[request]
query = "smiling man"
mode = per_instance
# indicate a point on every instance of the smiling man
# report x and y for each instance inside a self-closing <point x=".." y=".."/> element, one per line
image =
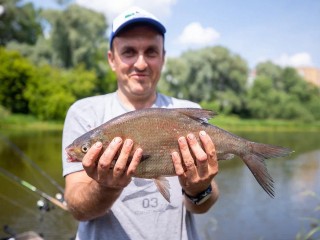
<point x="108" y="202"/>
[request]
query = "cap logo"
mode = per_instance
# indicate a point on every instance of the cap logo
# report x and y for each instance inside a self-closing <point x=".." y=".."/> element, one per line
<point x="131" y="14"/>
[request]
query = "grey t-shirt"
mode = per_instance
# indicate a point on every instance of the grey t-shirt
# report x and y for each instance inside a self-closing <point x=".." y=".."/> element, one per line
<point x="140" y="212"/>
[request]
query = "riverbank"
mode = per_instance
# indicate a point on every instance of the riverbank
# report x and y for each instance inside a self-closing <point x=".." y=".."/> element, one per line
<point x="28" y="122"/>
<point x="230" y="123"/>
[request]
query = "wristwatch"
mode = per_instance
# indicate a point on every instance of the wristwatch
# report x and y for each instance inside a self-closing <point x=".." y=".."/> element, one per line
<point x="201" y="197"/>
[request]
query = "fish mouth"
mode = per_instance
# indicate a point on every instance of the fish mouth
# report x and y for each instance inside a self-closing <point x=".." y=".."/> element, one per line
<point x="71" y="158"/>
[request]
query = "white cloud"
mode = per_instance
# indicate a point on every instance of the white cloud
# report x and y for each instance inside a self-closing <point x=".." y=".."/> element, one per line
<point x="295" y="60"/>
<point x="195" y="34"/>
<point x="160" y="8"/>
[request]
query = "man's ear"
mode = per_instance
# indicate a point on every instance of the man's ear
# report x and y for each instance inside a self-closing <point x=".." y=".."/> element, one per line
<point x="111" y="60"/>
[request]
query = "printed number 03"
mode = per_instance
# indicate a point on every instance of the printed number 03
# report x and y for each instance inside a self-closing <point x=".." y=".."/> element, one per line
<point x="152" y="202"/>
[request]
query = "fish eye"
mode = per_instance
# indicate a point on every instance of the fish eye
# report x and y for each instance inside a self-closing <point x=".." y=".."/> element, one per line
<point x="84" y="148"/>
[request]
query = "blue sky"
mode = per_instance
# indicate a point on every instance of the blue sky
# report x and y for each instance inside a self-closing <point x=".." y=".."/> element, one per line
<point x="286" y="32"/>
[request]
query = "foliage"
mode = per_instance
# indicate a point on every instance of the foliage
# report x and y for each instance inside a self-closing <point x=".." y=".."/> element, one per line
<point x="52" y="91"/>
<point x="15" y="72"/>
<point x="46" y="92"/>
<point x="77" y="35"/>
<point x="282" y="93"/>
<point x="209" y="74"/>
<point x="18" y="22"/>
<point x="4" y="113"/>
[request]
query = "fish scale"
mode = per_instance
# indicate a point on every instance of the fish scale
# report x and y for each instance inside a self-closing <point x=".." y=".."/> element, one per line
<point x="156" y="131"/>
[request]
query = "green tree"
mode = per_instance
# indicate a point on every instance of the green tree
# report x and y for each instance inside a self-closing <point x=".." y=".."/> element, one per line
<point x="76" y="35"/>
<point x="15" y="73"/>
<point x="51" y="92"/>
<point x="18" y="22"/>
<point x="281" y="93"/>
<point x="209" y="74"/>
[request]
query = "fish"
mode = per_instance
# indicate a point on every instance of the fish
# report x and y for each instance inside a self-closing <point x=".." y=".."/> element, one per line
<point x="156" y="131"/>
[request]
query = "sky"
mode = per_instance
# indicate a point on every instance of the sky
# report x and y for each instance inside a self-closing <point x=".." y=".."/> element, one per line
<point x="286" y="32"/>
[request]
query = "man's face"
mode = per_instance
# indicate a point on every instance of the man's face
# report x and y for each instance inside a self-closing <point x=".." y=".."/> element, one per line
<point x="137" y="59"/>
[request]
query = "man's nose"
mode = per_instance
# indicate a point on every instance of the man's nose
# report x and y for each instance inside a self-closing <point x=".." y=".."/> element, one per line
<point x="141" y="63"/>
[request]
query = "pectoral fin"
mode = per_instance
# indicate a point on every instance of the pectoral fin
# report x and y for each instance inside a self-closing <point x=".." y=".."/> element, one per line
<point x="163" y="186"/>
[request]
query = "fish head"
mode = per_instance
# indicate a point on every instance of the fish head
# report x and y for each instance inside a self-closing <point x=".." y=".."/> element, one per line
<point x="80" y="146"/>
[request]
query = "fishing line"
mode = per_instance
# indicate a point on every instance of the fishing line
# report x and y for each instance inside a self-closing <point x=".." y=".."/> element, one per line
<point x="32" y="188"/>
<point x="29" y="160"/>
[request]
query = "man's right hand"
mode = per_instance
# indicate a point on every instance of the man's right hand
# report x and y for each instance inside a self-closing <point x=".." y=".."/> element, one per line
<point x="91" y="193"/>
<point x="102" y="170"/>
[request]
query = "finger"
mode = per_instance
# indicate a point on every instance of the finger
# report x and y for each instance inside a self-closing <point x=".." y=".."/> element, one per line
<point x="209" y="147"/>
<point x="108" y="155"/>
<point x="200" y="155"/>
<point x="187" y="159"/>
<point x="90" y="159"/>
<point x="177" y="163"/>
<point x="134" y="162"/>
<point x="122" y="160"/>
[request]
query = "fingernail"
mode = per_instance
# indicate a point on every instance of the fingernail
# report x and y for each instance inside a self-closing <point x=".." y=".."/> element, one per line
<point x="175" y="154"/>
<point x="203" y="133"/>
<point x="190" y="136"/>
<point x="181" y="139"/>
<point x="128" y="142"/>
<point x="117" y="140"/>
<point x="98" y="144"/>
<point x="139" y="151"/>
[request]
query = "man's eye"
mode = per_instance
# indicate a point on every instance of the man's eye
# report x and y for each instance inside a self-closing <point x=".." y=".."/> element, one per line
<point x="128" y="52"/>
<point x="152" y="53"/>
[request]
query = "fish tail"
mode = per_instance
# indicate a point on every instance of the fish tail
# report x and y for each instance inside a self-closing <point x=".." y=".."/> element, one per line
<point x="255" y="162"/>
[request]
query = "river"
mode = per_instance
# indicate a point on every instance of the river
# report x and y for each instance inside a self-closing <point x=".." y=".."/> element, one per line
<point x="243" y="211"/>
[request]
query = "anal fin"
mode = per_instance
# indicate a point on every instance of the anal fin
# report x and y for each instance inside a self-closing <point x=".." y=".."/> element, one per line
<point x="163" y="186"/>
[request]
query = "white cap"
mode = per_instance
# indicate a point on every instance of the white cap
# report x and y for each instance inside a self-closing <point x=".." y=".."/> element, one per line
<point x="131" y="16"/>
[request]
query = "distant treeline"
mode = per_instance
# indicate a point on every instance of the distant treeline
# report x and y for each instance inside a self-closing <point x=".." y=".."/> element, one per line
<point x="51" y="58"/>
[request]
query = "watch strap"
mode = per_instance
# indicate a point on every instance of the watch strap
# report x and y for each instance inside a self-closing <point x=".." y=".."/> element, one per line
<point x="201" y="197"/>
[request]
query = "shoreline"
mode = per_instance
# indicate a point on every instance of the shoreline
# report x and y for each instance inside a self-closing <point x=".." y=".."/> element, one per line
<point x="229" y="123"/>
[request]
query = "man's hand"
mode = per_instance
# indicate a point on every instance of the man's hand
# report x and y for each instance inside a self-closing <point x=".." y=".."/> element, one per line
<point x="197" y="166"/>
<point x="92" y="192"/>
<point x="102" y="170"/>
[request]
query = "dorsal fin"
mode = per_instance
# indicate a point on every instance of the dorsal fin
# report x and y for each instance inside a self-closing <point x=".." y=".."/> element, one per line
<point x="197" y="114"/>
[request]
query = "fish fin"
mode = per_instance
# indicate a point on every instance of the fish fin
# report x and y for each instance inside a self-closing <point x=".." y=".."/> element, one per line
<point x="197" y="114"/>
<point x="163" y="186"/>
<point x="144" y="157"/>
<point x="227" y="156"/>
<point x="256" y="164"/>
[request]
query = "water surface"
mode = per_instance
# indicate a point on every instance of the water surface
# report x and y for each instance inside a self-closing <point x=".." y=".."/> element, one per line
<point x="244" y="210"/>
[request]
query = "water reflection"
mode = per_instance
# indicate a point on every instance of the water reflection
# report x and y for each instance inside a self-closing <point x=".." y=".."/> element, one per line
<point x="244" y="210"/>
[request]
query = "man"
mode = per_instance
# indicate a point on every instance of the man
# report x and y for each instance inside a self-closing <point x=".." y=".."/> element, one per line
<point x="108" y="202"/>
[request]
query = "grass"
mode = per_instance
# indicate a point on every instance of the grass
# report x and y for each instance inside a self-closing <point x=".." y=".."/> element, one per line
<point x="234" y="123"/>
<point x="20" y="121"/>
<point x="230" y="123"/>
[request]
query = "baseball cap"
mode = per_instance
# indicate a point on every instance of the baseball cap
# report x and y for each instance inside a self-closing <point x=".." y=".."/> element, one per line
<point x="131" y="16"/>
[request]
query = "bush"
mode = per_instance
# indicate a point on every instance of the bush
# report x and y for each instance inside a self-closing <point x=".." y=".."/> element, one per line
<point x="4" y="112"/>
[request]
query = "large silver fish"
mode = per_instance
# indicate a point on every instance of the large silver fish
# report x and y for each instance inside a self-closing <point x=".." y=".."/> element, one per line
<point x="156" y="131"/>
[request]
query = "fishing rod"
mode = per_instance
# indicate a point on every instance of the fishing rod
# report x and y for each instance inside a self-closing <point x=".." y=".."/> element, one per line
<point x="29" y="160"/>
<point x="32" y="188"/>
